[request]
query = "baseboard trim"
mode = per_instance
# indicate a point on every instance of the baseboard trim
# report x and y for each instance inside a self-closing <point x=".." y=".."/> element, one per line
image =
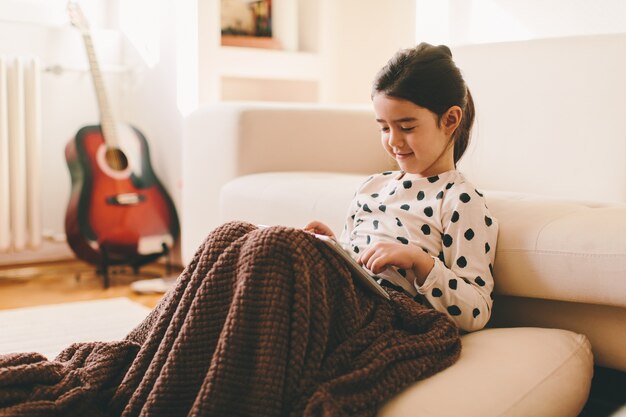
<point x="49" y="251"/>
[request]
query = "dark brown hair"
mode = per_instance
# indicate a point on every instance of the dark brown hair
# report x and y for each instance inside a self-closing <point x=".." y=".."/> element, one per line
<point x="427" y="76"/>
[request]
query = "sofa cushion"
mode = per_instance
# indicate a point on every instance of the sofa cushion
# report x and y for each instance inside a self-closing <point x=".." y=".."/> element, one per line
<point x="557" y="249"/>
<point x="289" y="198"/>
<point x="505" y="372"/>
<point x="547" y="248"/>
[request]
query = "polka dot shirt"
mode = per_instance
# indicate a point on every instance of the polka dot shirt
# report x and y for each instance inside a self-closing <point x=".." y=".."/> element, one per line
<point x="446" y="217"/>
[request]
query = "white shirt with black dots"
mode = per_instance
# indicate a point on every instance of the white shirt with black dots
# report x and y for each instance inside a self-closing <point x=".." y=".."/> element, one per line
<point x="445" y="216"/>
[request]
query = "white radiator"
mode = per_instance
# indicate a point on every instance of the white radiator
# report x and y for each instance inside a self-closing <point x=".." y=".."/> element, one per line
<point x="20" y="144"/>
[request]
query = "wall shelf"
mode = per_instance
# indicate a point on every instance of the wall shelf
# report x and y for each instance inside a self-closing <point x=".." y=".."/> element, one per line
<point x="250" y="41"/>
<point x="240" y="62"/>
<point x="228" y="72"/>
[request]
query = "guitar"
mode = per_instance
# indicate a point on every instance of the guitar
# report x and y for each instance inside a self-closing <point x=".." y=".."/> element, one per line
<point x="118" y="210"/>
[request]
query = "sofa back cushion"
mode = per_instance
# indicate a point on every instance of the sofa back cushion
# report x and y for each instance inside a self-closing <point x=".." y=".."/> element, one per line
<point x="549" y="116"/>
<point x="548" y="248"/>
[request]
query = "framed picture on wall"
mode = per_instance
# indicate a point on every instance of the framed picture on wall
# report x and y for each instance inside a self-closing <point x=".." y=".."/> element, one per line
<point x="247" y="23"/>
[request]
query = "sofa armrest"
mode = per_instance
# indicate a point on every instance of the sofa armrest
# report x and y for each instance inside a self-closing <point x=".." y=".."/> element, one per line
<point x="225" y="141"/>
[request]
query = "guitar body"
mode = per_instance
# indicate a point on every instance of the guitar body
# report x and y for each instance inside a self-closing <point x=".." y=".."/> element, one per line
<point x="118" y="212"/>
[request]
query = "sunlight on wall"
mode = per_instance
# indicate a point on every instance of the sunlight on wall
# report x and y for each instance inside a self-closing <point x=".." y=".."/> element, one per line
<point x="34" y="11"/>
<point x="140" y="21"/>
<point x="458" y="22"/>
<point x="186" y="56"/>
<point x="432" y="22"/>
<point x="489" y="21"/>
<point x="478" y="21"/>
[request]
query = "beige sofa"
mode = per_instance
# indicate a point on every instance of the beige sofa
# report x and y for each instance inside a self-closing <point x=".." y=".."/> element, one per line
<point x="560" y="264"/>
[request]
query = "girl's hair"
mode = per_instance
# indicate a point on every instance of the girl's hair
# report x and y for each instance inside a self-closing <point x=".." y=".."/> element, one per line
<point x="427" y="76"/>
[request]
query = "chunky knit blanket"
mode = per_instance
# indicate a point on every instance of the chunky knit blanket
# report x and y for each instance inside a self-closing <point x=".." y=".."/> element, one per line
<point x="263" y="322"/>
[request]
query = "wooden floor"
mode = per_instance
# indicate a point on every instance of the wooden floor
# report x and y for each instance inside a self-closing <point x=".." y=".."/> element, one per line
<point x="67" y="281"/>
<point x="62" y="282"/>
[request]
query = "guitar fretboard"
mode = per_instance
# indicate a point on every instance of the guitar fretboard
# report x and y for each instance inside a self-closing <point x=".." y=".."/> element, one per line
<point x="106" y="117"/>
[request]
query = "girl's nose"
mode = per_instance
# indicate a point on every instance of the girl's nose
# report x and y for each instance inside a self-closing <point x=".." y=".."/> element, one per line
<point x="395" y="139"/>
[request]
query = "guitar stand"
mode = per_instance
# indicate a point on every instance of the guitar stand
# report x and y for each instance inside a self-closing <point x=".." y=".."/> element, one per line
<point x="134" y="262"/>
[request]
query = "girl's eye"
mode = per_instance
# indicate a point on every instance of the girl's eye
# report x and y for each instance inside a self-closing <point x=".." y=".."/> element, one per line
<point x="407" y="129"/>
<point x="384" y="129"/>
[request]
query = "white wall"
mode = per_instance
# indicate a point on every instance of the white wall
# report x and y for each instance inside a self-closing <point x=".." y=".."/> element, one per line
<point x="460" y="22"/>
<point x="68" y="99"/>
<point x="356" y="39"/>
<point x="149" y="101"/>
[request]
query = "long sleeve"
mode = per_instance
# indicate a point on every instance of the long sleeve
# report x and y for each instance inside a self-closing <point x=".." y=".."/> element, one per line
<point x="442" y="215"/>
<point x="461" y="281"/>
<point x="349" y="224"/>
<point x="344" y="239"/>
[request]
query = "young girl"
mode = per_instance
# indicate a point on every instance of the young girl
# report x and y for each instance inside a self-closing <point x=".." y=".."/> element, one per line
<point x="269" y="315"/>
<point x="425" y="228"/>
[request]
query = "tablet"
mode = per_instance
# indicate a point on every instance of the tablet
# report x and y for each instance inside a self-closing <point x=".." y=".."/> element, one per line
<point x="359" y="272"/>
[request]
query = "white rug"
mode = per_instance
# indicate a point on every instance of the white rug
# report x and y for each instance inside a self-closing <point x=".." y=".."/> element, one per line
<point x="49" y="329"/>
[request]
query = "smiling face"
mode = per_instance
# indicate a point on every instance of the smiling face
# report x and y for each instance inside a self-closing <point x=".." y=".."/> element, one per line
<point x="414" y="138"/>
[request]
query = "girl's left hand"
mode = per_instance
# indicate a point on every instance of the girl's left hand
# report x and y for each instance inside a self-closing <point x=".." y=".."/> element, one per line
<point x="380" y="255"/>
<point x="319" y="228"/>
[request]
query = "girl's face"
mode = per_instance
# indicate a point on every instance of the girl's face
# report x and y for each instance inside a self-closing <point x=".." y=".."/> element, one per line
<point x="412" y="136"/>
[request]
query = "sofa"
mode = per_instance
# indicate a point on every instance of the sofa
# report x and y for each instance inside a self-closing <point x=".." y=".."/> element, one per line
<point x="560" y="268"/>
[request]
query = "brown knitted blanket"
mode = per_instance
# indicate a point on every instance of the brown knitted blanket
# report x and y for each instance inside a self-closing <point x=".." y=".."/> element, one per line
<point x="263" y="322"/>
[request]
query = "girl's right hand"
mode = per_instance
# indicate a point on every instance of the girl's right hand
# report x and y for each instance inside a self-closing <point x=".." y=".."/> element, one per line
<point x="380" y="255"/>
<point x="319" y="228"/>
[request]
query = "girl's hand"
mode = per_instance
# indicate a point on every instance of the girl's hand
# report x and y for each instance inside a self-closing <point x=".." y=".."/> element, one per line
<point x="380" y="255"/>
<point x="319" y="228"/>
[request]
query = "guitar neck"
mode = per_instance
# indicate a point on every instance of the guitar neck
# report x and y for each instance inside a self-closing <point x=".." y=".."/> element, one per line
<point x="106" y="117"/>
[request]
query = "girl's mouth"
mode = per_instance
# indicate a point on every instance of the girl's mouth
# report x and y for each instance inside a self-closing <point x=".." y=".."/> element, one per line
<point x="404" y="155"/>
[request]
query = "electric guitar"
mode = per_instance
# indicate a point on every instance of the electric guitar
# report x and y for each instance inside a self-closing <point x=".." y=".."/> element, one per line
<point x="118" y="210"/>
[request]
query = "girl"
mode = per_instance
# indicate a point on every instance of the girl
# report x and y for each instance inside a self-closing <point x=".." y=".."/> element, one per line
<point x="425" y="228"/>
<point x="271" y="316"/>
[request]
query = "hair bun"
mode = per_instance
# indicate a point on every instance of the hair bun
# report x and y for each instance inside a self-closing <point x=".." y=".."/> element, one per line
<point x="432" y="50"/>
<point x="445" y="49"/>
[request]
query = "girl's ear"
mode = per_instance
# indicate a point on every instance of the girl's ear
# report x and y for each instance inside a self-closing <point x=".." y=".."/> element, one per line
<point x="451" y="119"/>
